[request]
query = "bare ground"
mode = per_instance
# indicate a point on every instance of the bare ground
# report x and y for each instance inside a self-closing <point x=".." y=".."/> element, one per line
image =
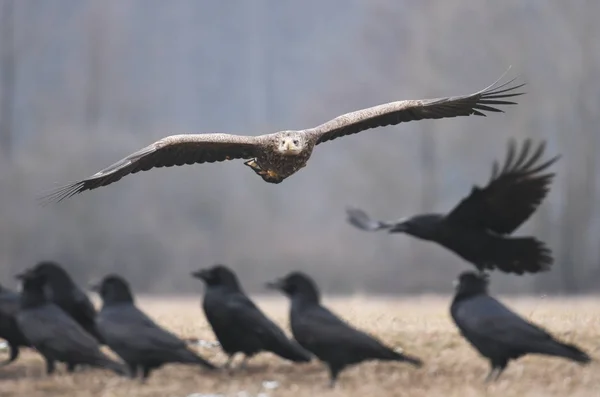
<point x="421" y="325"/>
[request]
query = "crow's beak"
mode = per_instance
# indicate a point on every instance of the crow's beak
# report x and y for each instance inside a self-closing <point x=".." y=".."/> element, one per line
<point x="24" y="274"/>
<point x="94" y="287"/>
<point x="201" y="274"/>
<point x="400" y="227"/>
<point x="276" y="285"/>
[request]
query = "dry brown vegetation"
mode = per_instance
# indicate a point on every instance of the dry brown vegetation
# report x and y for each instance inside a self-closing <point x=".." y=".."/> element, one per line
<point x="421" y="325"/>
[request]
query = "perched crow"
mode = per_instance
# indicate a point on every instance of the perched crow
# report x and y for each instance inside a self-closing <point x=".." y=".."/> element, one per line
<point x="238" y="323"/>
<point x="321" y="332"/>
<point x="477" y="228"/>
<point x="9" y="330"/>
<point x="55" y="334"/>
<point x="62" y="291"/>
<point x="496" y="332"/>
<point x="138" y="340"/>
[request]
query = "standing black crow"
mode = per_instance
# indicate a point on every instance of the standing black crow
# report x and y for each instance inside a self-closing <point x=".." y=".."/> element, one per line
<point x="55" y="334"/>
<point x="138" y="340"/>
<point x="321" y="332"/>
<point x="238" y="323"/>
<point x="477" y="228"/>
<point x="62" y="291"/>
<point x="9" y="330"/>
<point x="496" y="332"/>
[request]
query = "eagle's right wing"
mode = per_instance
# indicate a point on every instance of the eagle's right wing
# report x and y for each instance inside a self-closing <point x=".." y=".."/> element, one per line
<point x="167" y="152"/>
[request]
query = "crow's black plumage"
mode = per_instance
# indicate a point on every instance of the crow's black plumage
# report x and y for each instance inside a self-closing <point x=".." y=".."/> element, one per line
<point x="478" y="228"/>
<point x="55" y="334"/>
<point x="136" y="338"/>
<point x="62" y="291"/>
<point x="496" y="332"/>
<point x="324" y="334"/>
<point x="9" y="330"/>
<point x="239" y="325"/>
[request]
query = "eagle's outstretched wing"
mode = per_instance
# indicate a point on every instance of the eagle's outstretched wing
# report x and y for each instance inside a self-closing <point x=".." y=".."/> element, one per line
<point x="402" y="111"/>
<point x="167" y="152"/>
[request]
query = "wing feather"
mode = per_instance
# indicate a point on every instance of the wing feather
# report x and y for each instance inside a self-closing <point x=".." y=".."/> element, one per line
<point x="487" y="318"/>
<point x="174" y="150"/>
<point x="249" y="317"/>
<point x="51" y="327"/>
<point x="394" y="113"/>
<point x="320" y="327"/>
<point x="511" y="195"/>
<point x="130" y="326"/>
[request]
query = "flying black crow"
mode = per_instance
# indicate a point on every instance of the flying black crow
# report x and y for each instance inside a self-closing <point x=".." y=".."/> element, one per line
<point x="477" y="229"/>
<point x="324" y="334"/>
<point x="496" y="332"/>
<point x="239" y="325"/>
<point x="55" y="334"/>
<point x="136" y="338"/>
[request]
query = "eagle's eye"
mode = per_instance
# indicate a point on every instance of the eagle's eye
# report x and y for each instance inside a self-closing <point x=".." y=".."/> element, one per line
<point x="295" y="142"/>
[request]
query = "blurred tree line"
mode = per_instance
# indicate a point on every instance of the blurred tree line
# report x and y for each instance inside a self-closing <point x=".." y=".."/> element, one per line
<point x="84" y="83"/>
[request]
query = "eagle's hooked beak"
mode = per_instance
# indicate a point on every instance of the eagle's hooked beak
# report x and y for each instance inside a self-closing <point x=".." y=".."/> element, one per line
<point x="289" y="147"/>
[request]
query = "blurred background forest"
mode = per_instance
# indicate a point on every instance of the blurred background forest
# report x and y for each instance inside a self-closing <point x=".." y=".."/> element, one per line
<point x="83" y="83"/>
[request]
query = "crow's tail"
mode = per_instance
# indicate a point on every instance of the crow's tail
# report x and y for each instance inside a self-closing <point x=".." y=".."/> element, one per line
<point x="570" y="352"/>
<point x="409" y="359"/>
<point x="519" y="255"/>
<point x="189" y="357"/>
<point x="114" y="366"/>
<point x="291" y="350"/>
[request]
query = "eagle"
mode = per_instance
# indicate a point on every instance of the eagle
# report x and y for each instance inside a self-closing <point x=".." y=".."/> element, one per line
<point x="277" y="156"/>
<point x="478" y="228"/>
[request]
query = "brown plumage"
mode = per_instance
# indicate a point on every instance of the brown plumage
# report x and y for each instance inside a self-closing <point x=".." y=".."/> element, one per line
<point x="277" y="156"/>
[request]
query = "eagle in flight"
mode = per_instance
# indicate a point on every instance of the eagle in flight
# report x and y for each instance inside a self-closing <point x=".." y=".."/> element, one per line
<point x="275" y="157"/>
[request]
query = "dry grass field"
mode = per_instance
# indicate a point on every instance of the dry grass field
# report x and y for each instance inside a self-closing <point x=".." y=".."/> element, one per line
<point x="421" y="325"/>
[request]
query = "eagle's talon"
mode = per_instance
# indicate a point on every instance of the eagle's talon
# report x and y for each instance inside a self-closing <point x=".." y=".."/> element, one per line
<point x="267" y="175"/>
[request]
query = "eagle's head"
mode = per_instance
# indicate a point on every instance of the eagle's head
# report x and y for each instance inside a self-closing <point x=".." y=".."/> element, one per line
<point x="291" y="143"/>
